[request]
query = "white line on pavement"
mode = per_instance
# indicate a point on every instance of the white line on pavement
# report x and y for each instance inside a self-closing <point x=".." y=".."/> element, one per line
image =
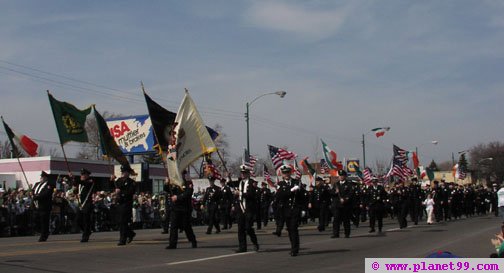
<point x="210" y="258"/>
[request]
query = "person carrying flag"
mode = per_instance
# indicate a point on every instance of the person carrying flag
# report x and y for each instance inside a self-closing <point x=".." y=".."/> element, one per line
<point x="42" y="197"/>
<point x="125" y="189"/>
<point x="86" y="188"/>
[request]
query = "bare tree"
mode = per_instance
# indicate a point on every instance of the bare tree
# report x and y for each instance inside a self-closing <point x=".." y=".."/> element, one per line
<point x="381" y="166"/>
<point x="487" y="161"/>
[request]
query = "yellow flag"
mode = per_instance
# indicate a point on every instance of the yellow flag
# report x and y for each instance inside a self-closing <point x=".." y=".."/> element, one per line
<point x="192" y="140"/>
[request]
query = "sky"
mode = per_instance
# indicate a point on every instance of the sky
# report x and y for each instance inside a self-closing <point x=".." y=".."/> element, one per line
<point x="430" y="70"/>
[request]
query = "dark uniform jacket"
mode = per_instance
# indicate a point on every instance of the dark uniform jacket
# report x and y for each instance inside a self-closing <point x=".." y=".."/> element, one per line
<point x="343" y="191"/>
<point x="42" y="194"/>
<point x="247" y="201"/>
<point x="127" y="187"/>
<point x="287" y="199"/>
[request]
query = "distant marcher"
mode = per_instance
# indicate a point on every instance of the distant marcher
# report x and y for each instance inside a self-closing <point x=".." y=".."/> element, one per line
<point x="429" y="207"/>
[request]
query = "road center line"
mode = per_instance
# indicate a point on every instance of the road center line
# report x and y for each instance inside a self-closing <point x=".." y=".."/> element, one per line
<point x="210" y="258"/>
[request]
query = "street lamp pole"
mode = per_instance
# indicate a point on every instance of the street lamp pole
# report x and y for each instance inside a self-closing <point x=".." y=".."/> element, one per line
<point x="247" y="113"/>
<point x="364" y="150"/>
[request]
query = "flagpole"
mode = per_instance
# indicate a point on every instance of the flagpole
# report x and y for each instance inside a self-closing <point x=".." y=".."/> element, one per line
<point x="163" y="159"/>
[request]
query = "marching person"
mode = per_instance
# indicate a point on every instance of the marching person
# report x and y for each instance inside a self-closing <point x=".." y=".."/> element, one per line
<point x="319" y="203"/>
<point x="167" y="207"/>
<point x="225" y="205"/>
<point x="180" y="217"/>
<point x="246" y="209"/>
<point x="376" y="196"/>
<point x="290" y="197"/>
<point x="429" y="208"/>
<point x="86" y="188"/>
<point x="264" y="203"/>
<point x="42" y="196"/>
<point x="342" y="204"/>
<point x="211" y="203"/>
<point x="125" y="189"/>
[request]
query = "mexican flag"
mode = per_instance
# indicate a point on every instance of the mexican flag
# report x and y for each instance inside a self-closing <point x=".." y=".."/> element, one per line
<point x="379" y="132"/>
<point x="23" y="141"/>
<point x="308" y="168"/>
<point x="330" y="156"/>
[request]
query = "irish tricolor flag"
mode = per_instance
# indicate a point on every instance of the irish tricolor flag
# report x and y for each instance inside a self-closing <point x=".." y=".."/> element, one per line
<point x="379" y="132"/>
<point x="28" y="145"/>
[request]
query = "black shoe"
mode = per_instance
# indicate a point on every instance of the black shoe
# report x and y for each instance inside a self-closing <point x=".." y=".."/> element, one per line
<point x="121" y="243"/>
<point x="194" y="244"/>
<point x="256" y="247"/>
<point x="84" y="239"/>
<point x="42" y="239"/>
<point x="276" y="233"/>
<point x="335" y="236"/>
<point x="164" y="232"/>
<point x="217" y="232"/>
<point x="241" y="251"/>
<point x="372" y="230"/>
<point x="170" y="247"/>
<point x="379" y="230"/>
<point x="130" y="238"/>
<point x="224" y="228"/>
<point x="294" y="253"/>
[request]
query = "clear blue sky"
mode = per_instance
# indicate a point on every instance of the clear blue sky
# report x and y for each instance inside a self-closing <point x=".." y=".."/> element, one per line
<point x="431" y="70"/>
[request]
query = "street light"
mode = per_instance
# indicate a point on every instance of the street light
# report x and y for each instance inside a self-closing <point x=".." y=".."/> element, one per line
<point x="364" y="144"/>
<point x="281" y="94"/>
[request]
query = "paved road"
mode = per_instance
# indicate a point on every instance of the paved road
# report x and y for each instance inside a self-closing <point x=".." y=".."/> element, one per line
<point x="319" y="253"/>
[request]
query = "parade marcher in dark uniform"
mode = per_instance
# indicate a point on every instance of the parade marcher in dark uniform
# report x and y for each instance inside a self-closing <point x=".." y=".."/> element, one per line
<point x="225" y="205"/>
<point x="320" y="201"/>
<point x="167" y="207"/>
<point x="404" y="202"/>
<point x="356" y="204"/>
<point x="446" y="201"/>
<point x="342" y="204"/>
<point x="376" y="195"/>
<point x="246" y="209"/>
<point x="416" y="198"/>
<point x="437" y="195"/>
<point x="42" y="196"/>
<point x="291" y="197"/>
<point x="181" y="198"/>
<point x="211" y="201"/>
<point x="125" y="189"/>
<point x="264" y="203"/>
<point x="86" y="188"/>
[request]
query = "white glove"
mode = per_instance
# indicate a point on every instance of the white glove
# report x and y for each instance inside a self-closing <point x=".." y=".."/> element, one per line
<point x="295" y="188"/>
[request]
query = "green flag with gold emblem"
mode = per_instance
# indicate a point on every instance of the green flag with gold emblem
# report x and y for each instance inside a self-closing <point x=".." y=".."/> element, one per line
<point x="69" y="120"/>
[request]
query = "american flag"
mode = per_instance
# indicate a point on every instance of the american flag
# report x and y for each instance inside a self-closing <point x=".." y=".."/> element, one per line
<point x="212" y="170"/>
<point x="367" y="176"/>
<point x="400" y="164"/>
<point x="267" y="176"/>
<point x="297" y="171"/>
<point x="324" y="167"/>
<point x="278" y="155"/>
<point x="249" y="161"/>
